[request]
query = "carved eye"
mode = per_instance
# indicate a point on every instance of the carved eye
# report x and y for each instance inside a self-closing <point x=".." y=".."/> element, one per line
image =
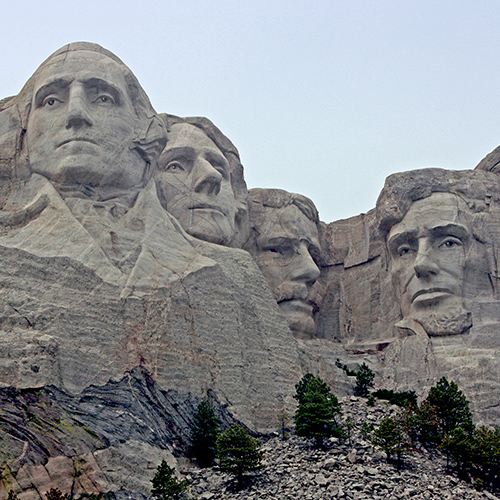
<point x="403" y="250"/>
<point x="174" y="167"/>
<point x="451" y="243"/>
<point x="281" y="250"/>
<point x="50" y="101"/>
<point x="105" y="99"/>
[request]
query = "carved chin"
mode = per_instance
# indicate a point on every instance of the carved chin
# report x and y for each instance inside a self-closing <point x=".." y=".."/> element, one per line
<point x="302" y="325"/>
<point x="450" y="320"/>
<point x="212" y="229"/>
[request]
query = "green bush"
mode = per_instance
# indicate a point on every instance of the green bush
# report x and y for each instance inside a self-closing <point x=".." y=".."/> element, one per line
<point x="367" y="430"/>
<point x="283" y="419"/>
<point x="486" y="455"/>
<point x="55" y="494"/>
<point x="402" y="399"/>
<point x="238" y="452"/>
<point x="458" y="445"/>
<point x="317" y="410"/>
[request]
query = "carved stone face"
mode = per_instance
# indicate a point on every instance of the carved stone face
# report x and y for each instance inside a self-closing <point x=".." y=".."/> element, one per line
<point x="286" y="249"/>
<point x="82" y="123"/>
<point x="194" y="185"/>
<point x="429" y="250"/>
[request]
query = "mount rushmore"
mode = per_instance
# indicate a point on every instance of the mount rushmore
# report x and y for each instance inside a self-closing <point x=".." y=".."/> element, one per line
<point x="140" y="275"/>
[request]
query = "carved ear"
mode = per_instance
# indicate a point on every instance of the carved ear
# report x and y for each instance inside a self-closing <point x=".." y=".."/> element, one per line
<point x="151" y="139"/>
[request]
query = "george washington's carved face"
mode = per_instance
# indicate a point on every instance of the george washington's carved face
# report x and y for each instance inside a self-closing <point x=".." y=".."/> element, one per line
<point x="82" y="123"/>
<point x="429" y="250"/>
<point x="194" y="185"/>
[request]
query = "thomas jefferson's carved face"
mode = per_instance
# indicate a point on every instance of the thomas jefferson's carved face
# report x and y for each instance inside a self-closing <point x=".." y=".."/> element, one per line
<point x="286" y="252"/>
<point x="429" y="250"/>
<point x="82" y="123"/>
<point x="194" y="185"/>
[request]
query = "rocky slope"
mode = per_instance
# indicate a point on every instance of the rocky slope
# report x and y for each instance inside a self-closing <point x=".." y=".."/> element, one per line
<point x="293" y="469"/>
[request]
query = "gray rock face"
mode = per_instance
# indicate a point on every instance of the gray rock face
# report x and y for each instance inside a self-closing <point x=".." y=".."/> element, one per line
<point x="285" y="244"/>
<point x="125" y="296"/>
<point x="98" y="278"/>
<point x="200" y="181"/>
<point x="412" y="285"/>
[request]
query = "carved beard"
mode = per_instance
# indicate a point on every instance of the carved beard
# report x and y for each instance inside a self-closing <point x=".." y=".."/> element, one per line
<point x="453" y="319"/>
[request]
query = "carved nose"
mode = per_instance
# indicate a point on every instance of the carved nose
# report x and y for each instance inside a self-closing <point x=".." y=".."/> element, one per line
<point x="304" y="267"/>
<point x="78" y="113"/>
<point x="424" y="265"/>
<point x="208" y="180"/>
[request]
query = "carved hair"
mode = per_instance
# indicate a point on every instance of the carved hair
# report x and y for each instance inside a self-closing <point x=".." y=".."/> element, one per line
<point x="228" y="149"/>
<point x="259" y="199"/>
<point x="478" y="189"/>
<point x="14" y="113"/>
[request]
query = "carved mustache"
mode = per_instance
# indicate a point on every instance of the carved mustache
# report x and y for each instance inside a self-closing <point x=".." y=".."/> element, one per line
<point x="295" y="291"/>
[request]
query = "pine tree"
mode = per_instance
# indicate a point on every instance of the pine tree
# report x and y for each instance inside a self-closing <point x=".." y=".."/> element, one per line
<point x="458" y="445"/>
<point x="317" y="411"/>
<point x="166" y="486"/>
<point x="204" y="432"/>
<point x="392" y="438"/>
<point x="486" y="455"/>
<point x="238" y="452"/>
<point x="451" y="406"/>
<point x="364" y="381"/>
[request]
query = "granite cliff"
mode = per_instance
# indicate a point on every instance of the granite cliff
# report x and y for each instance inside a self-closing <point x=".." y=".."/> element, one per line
<point x="140" y="276"/>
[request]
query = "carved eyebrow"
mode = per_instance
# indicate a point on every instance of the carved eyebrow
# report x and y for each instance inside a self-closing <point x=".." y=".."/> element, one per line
<point x="219" y="159"/>
<point x="397" y="239"/>
<point x="44" y="90"/>
<point x="104" y="86"/>
<point x="276" y="241"/>
<point x="456" y="230"/>
<point x="185" y="153"/>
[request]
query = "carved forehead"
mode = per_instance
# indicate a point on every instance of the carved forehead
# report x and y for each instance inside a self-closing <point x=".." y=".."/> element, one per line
<point x="287" y="222"/>
<point x="440" y="210"/>
<point x="82" y="63"/>
<point x="186" y="135"/>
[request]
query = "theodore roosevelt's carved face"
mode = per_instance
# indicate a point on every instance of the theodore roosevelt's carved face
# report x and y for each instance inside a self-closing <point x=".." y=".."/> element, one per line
<point x="429" y="250"/>
<point x="194" y="185"/>
<point x="286" y="251"/>
<point x="82" y="123"/>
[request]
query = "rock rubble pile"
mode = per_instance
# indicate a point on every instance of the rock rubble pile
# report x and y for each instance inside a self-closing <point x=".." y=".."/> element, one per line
<point x="293" y="469"/>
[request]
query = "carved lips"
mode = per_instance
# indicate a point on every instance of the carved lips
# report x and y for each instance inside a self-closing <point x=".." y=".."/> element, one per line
<point x="430" y="295"/>
<point x="209" y="207"/>
<point x="76" y="139"/>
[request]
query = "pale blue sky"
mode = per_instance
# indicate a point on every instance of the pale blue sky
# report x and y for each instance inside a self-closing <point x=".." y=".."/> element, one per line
<point x="324" y="98"/>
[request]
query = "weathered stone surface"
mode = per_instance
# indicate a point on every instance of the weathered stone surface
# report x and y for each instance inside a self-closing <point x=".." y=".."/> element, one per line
<point x="98" y="278"/>
<point x="363" y="311"/>
<point x="200" y="181"/>
<point x="284" y="241"/>
<point x="125" y="297"/>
